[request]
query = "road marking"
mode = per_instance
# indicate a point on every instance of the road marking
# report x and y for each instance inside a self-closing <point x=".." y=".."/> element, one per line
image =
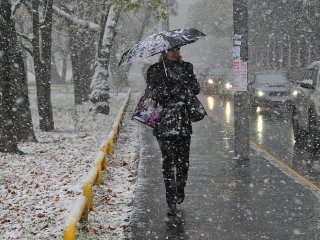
<point x="284" y="166"/>
<point x="278" y="162"/>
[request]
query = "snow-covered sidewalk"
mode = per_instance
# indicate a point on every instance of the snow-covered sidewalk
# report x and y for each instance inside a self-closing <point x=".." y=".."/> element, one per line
<point x="38" y="188"/>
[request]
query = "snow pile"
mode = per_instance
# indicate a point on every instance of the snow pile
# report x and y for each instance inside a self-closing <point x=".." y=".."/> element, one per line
<point x="38" y="188"/>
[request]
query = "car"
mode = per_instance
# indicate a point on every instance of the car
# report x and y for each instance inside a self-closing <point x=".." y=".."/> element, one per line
<point x="306" y="108"/>
<point x="225" y="88"/>
<point x="213" y="80"/>
<point x="272" y="90"/>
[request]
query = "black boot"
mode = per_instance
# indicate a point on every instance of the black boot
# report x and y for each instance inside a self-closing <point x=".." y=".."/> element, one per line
<point x="172" y="209"/>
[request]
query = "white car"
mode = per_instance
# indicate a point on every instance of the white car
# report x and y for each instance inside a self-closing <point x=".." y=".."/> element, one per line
<point x="306" y="108"/>
<point x="272" y="90"/>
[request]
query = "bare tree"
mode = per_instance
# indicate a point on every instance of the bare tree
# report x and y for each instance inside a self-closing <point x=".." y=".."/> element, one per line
<point x="15" y="116"/>
<point x="99" y="95"/>
<point x="291" y="39"/>
<point x="41" y="43"/>
<point x="79" y="21"/>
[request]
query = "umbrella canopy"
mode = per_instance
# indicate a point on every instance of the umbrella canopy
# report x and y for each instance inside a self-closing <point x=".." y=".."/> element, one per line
<point x="159" y="42"/>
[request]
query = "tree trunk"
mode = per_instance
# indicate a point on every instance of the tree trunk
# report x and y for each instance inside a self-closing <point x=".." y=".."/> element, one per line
<point x="25" y="126"/>
<point x="8" y="97"/>
<point x="103" y="22"/>
<point x="281" y="56"/>
<point x="64" y="67"/>
<point x="41" y="43"/>
<point x="298" y="61"/>
<point x="289" y="54"/>
<point x="54" y="71"/>
<point x="82" y="58"/>
<point x="268" y="52"/>
<point x="100" y="88"/>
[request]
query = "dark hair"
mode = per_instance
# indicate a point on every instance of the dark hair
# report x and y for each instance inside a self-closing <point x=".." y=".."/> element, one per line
<point x="163" y="56"/>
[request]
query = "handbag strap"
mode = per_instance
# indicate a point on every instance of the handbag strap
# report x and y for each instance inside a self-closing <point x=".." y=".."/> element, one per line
<point x="164" y="66"/>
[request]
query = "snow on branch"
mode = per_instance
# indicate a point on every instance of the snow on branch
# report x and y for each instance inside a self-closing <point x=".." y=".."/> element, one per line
<point x="82" y="23"/>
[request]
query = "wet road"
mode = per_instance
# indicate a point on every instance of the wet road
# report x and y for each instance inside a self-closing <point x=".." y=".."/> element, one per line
<point x="271" y="131"/>
<point x="226" y="198"/>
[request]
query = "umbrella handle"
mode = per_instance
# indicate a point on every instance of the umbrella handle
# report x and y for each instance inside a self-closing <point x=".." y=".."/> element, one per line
<point x="164" y="66"/>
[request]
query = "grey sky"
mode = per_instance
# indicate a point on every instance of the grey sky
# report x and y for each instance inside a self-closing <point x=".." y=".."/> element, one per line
<point x="180" y="21"/>
<point x="207" y="51"/>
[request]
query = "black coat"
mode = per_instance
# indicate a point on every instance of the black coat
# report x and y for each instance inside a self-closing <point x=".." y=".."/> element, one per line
<point x="170" y="88"/>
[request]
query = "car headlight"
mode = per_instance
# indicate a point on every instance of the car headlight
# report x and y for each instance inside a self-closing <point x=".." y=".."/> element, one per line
<point x="260" y="93"/>
<point x="295" y="93"/>
<point x="210" y="81"/>
<point x="228" y="86"/>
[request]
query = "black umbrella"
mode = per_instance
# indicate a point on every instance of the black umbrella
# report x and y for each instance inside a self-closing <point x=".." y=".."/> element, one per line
<point x="159" y="42"/>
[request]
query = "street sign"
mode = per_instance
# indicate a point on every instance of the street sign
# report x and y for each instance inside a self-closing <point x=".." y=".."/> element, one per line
<point x="240" y="73"/>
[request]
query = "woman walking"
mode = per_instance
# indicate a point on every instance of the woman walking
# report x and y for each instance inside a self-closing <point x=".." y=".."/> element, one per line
<point x="170" y="81"/>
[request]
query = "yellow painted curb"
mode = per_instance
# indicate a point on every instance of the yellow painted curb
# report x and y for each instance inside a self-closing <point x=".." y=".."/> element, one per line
<point x="286" y="167"/>
<point x="79" y="212"/>
<point x="88" y="184"/>
<point x="85" y="203"/>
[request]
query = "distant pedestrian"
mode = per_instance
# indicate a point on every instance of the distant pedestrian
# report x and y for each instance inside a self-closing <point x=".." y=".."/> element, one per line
<point x="169" y="81"/>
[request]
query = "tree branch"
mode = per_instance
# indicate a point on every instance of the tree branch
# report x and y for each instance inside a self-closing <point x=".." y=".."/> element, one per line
<point x="25" y="37"/>
<point x="27" y="49"/>
<point x="79" y="22"/>
<point x="61" y="33"/>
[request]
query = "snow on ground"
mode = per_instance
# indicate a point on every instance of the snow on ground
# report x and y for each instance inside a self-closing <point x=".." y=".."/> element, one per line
<point x="38" y="188"/>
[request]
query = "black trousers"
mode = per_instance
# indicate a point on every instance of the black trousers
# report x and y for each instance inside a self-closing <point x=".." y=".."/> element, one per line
<point x="175" y="153"/>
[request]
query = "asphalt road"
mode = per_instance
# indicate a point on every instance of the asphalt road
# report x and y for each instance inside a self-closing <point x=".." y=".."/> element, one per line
<point x="271" y="130"/>
<point x="227" y="198"/>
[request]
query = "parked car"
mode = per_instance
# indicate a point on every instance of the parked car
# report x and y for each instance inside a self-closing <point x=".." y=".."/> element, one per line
<point x="272" y="89"/>
<point x="213" y="80"/>
<point x="306" y="108"/>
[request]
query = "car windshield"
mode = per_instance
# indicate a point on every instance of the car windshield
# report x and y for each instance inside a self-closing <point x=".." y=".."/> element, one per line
<point x="266" y="78"/>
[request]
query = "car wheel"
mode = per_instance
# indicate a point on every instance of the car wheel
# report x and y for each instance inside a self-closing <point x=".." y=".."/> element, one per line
<point x="298" y="132"/>
<point x="314" y="133"/>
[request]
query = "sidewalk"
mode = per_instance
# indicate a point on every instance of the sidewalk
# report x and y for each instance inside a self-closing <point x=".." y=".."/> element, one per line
<point x="225" y="198"/>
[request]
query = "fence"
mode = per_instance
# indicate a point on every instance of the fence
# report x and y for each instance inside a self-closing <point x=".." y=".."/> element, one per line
<point x="84" y="204"/>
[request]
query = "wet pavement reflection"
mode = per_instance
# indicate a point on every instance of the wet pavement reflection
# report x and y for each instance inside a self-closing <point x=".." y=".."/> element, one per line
<point x="306" y="163"/>
<point x="272" y="130"/>
<point x="227" y="198"/>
